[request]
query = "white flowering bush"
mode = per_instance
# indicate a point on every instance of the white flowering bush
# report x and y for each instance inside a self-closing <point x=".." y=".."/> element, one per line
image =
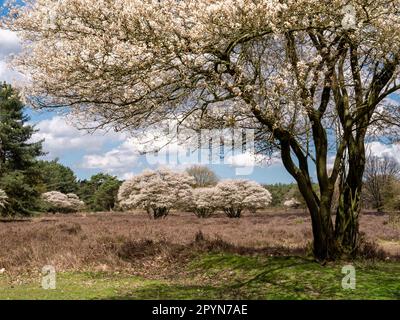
<point x="292" y="203"/>
<point x="202" y="202"/>
<point x="156" y="191"/>
<point x="234" y="196"/>
<point x="3" y="199"/>
<point x="60" y="202"/>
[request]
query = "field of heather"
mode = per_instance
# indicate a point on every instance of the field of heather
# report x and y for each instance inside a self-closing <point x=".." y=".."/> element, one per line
<point x="101" y="254"/>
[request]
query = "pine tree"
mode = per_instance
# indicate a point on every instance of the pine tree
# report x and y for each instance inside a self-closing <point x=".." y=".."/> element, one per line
<point x="57" y="177"/>
<point x="100" y="192"/>
<point x="18" y="173"/>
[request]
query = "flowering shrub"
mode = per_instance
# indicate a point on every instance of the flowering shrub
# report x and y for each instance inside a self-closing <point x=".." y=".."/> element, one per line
<point x="156" y="191"/>
<point x="3" y="199"/>
<point x="234" y="196"/>
<point x="60" y="202"/>
<point x="292" y="203"/>
<point x="201" y="202"/>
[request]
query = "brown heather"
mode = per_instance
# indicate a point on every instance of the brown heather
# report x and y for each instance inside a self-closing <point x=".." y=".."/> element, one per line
<point x="132" y="242"/>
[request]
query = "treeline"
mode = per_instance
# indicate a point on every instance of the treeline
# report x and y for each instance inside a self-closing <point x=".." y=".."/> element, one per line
<point x="381" y="187"/>
<point x="381" y="190"/>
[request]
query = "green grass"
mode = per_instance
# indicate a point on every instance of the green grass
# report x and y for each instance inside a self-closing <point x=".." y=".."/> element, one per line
<point x="223" y="276"/>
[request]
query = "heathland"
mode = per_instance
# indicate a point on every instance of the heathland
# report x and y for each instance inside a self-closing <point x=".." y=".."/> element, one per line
<point x="129" y="256"/>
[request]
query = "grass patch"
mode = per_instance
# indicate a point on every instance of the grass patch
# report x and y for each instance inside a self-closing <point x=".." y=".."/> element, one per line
<point x="222" y="276"/>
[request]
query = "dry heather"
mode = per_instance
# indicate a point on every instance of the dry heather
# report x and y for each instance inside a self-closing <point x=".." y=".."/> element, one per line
<point x="132" y="242"/>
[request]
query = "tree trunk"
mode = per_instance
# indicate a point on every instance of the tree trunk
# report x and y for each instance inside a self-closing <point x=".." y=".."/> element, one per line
<point x="233" y="213"/>
<point x="346" y="226"/>
<point x="324" y="244"/>
<point x="347" y="215"/>
<point x="158" y="213"/>
<point x="329" y="242"/>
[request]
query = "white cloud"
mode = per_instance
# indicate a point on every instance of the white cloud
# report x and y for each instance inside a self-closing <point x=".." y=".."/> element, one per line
<point x="379" y="149"/>
<point x="118" y="161"/>
<point x="171" y="154"/>
<point x="61" y="137"/>
<point x="248" y="159"/>
<point x="9" y="44"/>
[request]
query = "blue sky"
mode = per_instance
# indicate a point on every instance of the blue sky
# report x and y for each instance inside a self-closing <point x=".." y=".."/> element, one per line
<point x="117" y="153"/>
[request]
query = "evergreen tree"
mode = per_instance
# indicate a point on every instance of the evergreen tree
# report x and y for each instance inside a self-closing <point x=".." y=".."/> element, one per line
<point x="100" y="192"/>
<point x="57" y="177"/>
<point x="18" y="175"/>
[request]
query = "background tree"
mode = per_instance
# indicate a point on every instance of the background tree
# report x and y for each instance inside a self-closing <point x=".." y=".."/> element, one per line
<point x="201" y="202"/>
<point x="234" y="196"/>
<point x="292" y="203"/>
<point x="279" y="193"/>
<point x="57" y="177"/>
<point x="379" y="173"/>
<point x="63" y="203"/>
<point x="311" y="77"/>
<point x="18" y="174"/>
<point x="156" y="191"/>
<point x="203" y="175"/>
<point x="100" y="192"/>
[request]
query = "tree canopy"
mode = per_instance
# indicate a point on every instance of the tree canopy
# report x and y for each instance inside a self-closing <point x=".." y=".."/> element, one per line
<point x="100" y="192"/>
<point x="203" y="176"/>
<point x="57" y="177"/>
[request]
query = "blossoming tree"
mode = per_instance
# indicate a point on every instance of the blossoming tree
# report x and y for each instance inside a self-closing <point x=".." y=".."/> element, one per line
<point x="234" y="196"/>
<point x="292" y="203"/>
<point x="310" y="76"/>
<point x="201" y="202"/>
<point x="60" y="202"/>
<point x="156" y="191"/>
<point x="3" y="199"/>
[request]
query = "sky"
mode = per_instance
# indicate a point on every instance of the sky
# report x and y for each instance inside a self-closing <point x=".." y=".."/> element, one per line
<point x="118" y="153"/>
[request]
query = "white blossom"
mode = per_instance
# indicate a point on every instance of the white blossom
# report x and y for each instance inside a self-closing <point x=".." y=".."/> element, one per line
<point x="234" y="196"/>
<point x="201" y="202"/>
<point x="3" y="199"/>
<point x="292" y="203"/>
<point x="156" y="191"/>
<point x="60" y="202"/>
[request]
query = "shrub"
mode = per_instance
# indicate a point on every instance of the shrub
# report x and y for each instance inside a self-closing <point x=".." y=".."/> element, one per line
<point x="156" y="191"/>
<point x="292" y="203"/>
<point x="234" y="196"/>
<point x="60" y="202"/>
<point x="3" y="199"/>
<point x="201" y="202"/>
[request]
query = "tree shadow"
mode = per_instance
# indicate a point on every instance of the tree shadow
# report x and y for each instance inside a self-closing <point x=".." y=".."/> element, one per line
<point x="12" y="220"/>
<point x="235" y="288"/>
<point x="288" y="214"/>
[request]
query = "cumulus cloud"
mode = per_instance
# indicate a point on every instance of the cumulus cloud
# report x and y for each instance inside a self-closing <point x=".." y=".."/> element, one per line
<point x="379" y="149"/>
<point x="118" y="161"/>
<point x="9" y="44"/>
<point x="248" y="159"/>
<point x="177" y="155"/>
<point x="61" y="137"/>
